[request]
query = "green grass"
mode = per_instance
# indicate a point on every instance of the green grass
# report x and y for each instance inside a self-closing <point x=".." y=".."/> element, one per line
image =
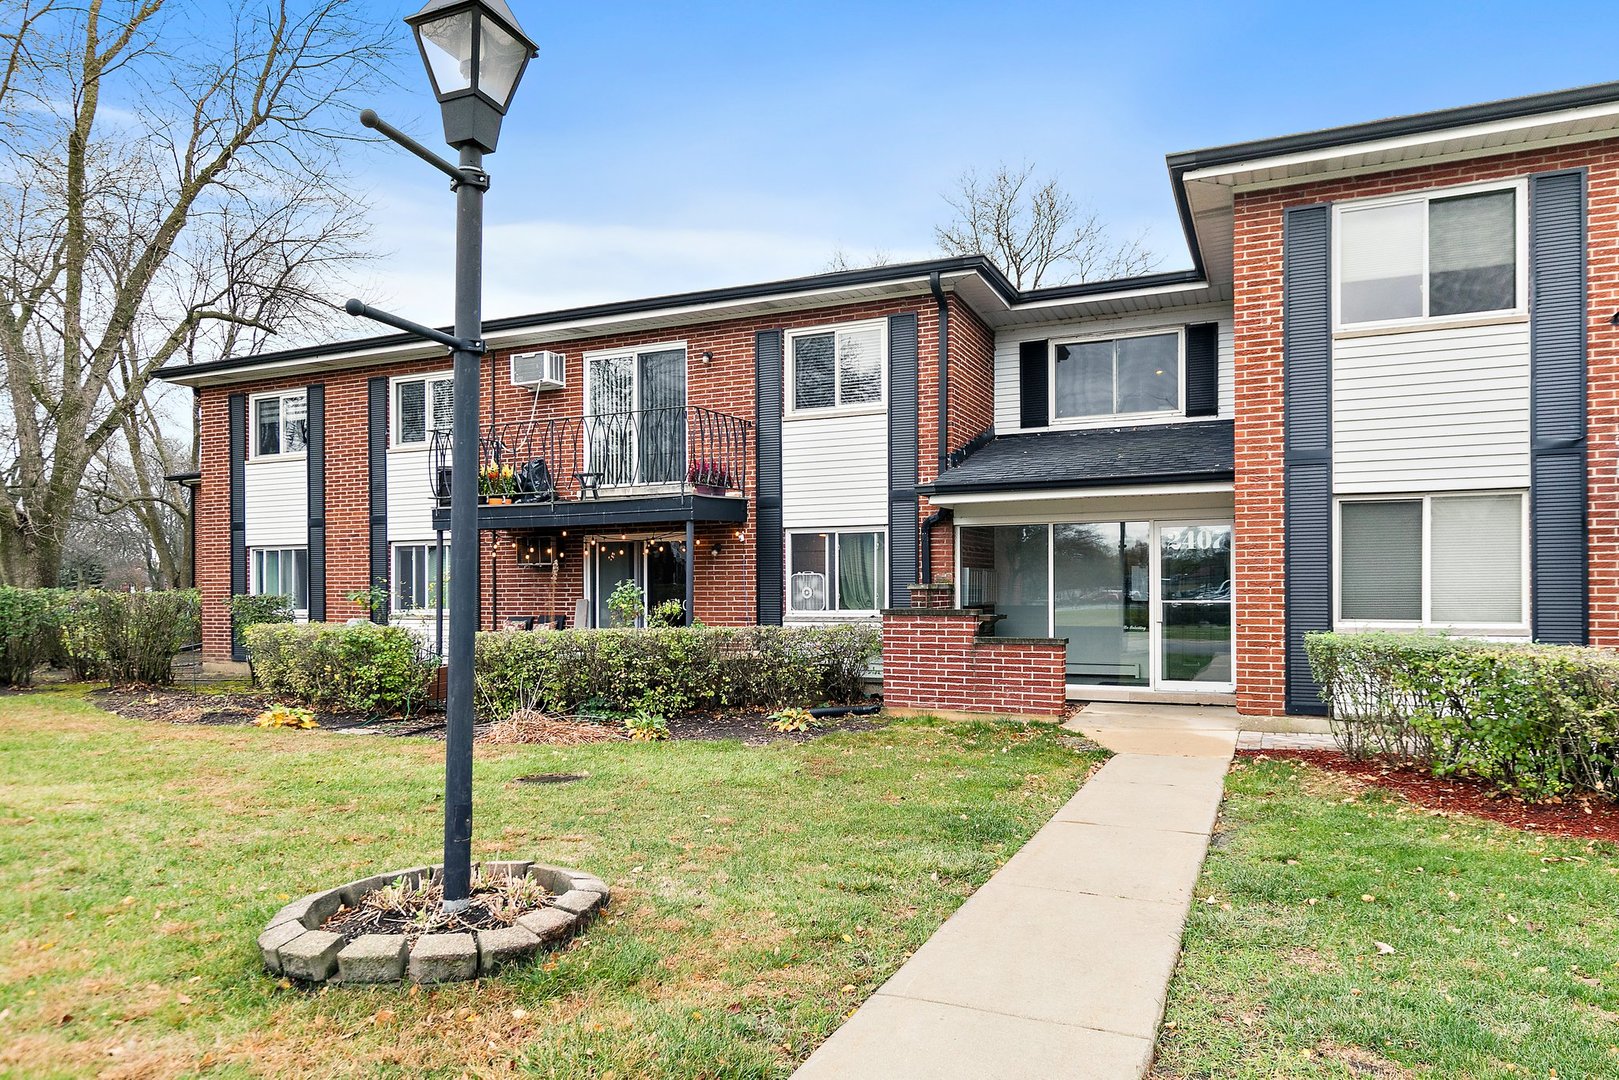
<point x="760" y="893"/>
<point x="1505" y="957"/>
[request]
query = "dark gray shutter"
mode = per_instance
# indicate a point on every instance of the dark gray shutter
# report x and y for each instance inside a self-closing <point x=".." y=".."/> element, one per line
<point x="904" y="508"/>
<point x="1034" y="384"/>
<point x="1306" y="442"/>
<point x="376" y="415"/>
<point x="1203" y="369"/>
<point x="236" y="412"/>
<point x="315" y="458"/>
<point x="1557" y="407"/>
<point x="770" y="581"/>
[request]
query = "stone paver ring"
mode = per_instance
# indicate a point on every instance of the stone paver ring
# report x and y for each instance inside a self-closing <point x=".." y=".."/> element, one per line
<point x="293" y="943"/>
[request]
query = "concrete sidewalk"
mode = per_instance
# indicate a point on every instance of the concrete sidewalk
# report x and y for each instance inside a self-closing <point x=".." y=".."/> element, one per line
<point x="1058" y="965"/>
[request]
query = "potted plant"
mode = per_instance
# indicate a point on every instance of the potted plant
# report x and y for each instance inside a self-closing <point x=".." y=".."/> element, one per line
<point x="497" y="483"/>
<point x="710" y="477"/>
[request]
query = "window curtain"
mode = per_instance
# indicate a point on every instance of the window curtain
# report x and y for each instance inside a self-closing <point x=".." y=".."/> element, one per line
<point x="1381" y="560"/>
<point x="662" y="420"/>
<point x="857" y="572"/>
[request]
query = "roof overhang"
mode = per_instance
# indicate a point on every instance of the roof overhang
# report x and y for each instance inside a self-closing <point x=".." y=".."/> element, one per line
<point x="974" y="279"/>
<point x="1206" y="181"/>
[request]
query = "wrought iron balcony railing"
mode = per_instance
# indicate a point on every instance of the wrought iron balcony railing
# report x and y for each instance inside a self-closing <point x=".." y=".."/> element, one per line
<point x="680" y="450"/>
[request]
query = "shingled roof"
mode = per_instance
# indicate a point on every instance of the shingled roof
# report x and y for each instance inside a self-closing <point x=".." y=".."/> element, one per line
<point x="1145" y="454"/>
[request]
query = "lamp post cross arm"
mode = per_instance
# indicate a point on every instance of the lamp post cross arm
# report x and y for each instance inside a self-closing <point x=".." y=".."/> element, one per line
<point x="458" y="174"/>
<point x="399" y="322"/>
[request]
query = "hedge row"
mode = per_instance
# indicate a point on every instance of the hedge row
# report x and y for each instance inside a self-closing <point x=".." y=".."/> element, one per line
<point x="382" y="670"/>
<point x="1537" y="720"/>
<point x="669" y="671"/>
<point x="122" y="637"/>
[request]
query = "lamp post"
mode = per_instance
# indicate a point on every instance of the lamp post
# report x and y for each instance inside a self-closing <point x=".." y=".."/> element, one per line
<point x="475" y="54"/>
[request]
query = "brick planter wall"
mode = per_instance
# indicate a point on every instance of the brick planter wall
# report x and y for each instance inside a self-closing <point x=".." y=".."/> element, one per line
<point x="934" y="659"/>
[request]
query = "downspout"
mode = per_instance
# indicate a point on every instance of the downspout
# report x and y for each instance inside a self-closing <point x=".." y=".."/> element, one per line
<point x="944" y="368"/>
<point x="925" y="565"/>
<point x="927" y="545"/>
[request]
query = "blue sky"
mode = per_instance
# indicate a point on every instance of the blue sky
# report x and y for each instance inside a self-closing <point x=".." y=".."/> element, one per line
<point x="659" y="147"/>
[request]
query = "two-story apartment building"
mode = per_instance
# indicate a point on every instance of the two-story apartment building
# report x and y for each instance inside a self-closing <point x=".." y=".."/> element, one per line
<point x="1385" y="395"/>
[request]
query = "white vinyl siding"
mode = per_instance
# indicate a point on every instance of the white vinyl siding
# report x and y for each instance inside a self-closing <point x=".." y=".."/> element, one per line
<point x="1443" y="408"/>
<point x="276" y="493"/>
<point x="410" y="496"/>
<point x="834" y="471"/>
<point x="1007" y="390"/>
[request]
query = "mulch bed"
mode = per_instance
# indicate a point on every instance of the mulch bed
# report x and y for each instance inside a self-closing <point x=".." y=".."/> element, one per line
<point x="1587" y="817"/>
<point x="177" y="705"/>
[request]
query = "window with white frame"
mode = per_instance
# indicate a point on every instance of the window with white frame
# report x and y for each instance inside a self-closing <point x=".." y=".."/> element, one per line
<point x="837" y="368"/>
<point x="1433" y="560"/>
<point x="280" y="424"/>
<point x="1138" y="374"/>
<point x="416" y="576"/>
<point x="281" y="572"/>
<point x="836" y="571"/>
<point x="422" y="406"/>
<point x="1430" y="255"/>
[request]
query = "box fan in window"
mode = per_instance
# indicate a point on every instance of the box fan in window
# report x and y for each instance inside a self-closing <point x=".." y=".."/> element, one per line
<point x="544" y="370"/>
<point x="809" y="591"/>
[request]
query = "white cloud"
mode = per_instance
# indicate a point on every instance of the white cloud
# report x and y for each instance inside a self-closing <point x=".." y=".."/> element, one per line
<point x="532" y="266"/>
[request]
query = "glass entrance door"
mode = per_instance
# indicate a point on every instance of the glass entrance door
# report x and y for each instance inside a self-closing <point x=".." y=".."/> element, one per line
<point x="1194" y="608"/>
<point x="657" y="566"/>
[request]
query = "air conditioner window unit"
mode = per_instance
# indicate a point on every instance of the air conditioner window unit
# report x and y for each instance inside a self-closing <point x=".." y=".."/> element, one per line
<point x="539" y="370"/>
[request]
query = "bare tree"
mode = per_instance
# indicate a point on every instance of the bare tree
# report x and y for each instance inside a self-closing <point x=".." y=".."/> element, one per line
<point x="168" y="195"/>
<point x="840" y="259"/>
<point x="1035" y="231"/>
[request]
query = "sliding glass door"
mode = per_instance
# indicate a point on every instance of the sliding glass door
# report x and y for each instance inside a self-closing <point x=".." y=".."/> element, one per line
<point x="1194" y="584"/>
<point x="637" y="425"/>
<point x="1102" y="601"/>
<point x="1141" y="603"/>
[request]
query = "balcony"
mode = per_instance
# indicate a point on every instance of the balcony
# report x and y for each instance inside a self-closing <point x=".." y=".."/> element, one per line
<point x="684" y="463"/>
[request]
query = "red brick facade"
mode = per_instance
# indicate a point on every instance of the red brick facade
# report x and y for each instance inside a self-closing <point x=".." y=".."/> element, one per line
<point x="725" y="567"/>
<point x="934" y="659"/>
<point x="1257" y="260"/>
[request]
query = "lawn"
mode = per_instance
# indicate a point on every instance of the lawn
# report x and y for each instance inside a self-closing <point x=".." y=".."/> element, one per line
<point x="1340" y="931"/>
<point x="760" y="892"/>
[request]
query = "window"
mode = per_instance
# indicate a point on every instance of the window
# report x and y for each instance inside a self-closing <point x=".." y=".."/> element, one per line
<point x="422" y="406"/>
<point x="282" y="572"/>
<point x="837" y="571"/>
<point x="841" y="368"/>
<point x="1429" y="256"/>
<point x="1124" y="375"/>
<point x="280" y="424"/>
<point x="415" y="581"/>
<point x="1442" y="560"/>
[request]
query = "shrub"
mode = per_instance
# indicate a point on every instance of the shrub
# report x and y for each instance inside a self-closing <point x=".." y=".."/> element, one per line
<point x="1537" y="720"/>
<point x="140" y="632"/>
<point x="248" y="610"/>
<point x="286" y="716"/>
<point x="373" y="669"/>
<point x="28" y="632"/>
<point x="646" y="727"/>
<point x="792" y="720"/>
<point x="625" y="604"/>
<point x="668" y="671"/>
